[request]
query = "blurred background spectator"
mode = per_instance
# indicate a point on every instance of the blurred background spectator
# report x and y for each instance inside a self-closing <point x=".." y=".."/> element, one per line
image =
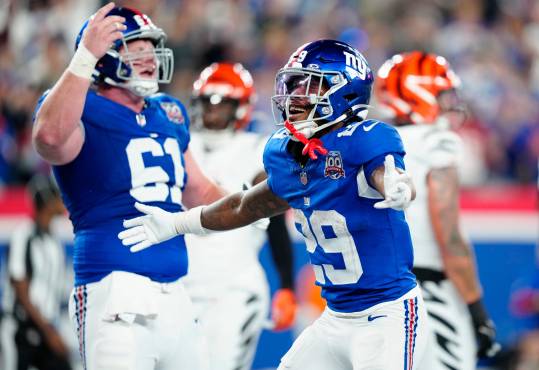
<point x="492" y="44"/>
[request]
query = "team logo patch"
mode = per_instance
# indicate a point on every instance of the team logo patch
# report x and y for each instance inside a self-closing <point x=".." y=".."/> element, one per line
<point x="174" y="113"/>
<point x="334" y="166"/>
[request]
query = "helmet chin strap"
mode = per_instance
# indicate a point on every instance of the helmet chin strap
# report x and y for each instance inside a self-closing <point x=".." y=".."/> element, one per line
<point x="311" y="145"/>
<point x="142" y="87"/>
<point x="306" y="129"/>
<point x="139" y="87"/>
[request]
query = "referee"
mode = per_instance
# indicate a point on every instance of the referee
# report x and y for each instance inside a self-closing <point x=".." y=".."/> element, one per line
<point x="37" y="273"/>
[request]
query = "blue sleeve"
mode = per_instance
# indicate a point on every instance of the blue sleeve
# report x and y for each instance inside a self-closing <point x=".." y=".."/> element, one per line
<point x="373" y="139"/>
<point x="378" y="161"/>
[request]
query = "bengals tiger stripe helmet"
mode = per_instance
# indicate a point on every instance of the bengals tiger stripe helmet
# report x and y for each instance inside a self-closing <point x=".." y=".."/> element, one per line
<point x="226" y="82"/>
<point x="409" y="85"/>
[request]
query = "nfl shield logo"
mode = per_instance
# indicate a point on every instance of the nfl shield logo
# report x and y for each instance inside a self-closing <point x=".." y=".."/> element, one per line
<point x="174" y="113"/>
<point x="303" y="177"/>
<point x="141" y="120"/>
<point x="334" y="166"/>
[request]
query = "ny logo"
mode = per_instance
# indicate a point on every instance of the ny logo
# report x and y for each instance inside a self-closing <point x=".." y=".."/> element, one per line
<point x="143" y="21"/>
<point x="356" y="65"/>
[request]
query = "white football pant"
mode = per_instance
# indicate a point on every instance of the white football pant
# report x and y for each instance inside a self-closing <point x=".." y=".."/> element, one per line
<point x="388" y="336"/>
<point x="128" y="322"/>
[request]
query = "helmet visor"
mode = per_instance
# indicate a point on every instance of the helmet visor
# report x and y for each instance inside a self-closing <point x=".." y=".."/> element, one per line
<point x="302" y="96"/>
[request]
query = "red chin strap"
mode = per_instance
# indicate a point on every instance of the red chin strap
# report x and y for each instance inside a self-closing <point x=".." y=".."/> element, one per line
<point x="311" y="145"/>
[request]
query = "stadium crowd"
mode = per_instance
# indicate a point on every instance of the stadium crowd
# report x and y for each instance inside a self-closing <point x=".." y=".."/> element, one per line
<point x="492" y="45"/>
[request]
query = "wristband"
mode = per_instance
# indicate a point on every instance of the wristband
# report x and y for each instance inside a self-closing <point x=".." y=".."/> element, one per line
<point x="83" y="63"/>
<point x="189" y="222"/>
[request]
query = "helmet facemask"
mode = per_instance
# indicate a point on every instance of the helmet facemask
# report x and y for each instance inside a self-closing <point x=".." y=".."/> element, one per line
<point x="223" y="97"/>
<point x="303" y="97"/>
<point x="214" y="117"/>
<point x="163" y="62"/>
<point x="215" y="112"/>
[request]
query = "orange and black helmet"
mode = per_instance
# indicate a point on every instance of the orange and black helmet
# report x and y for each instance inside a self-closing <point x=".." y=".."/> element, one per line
<point x="228" y="81"/>
<point x="408" y="86"/>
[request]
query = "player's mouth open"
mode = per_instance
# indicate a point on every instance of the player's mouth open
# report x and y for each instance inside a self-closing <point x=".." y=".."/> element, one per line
<point x="147" y="72"/>
<point x="297" y="113"/>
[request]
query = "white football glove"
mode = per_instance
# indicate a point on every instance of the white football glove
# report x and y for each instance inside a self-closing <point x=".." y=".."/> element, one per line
<point x="158" y="225"/>
<point x="398" y="193"/>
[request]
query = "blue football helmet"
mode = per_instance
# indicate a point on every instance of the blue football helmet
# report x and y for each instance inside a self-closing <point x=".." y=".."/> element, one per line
<point x="327" y="79"/>
<point x="117" y="69"/>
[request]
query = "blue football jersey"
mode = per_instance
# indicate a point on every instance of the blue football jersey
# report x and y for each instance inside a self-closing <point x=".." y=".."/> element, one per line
<point x="126" y="157"/>
<point x="361" y="256"/>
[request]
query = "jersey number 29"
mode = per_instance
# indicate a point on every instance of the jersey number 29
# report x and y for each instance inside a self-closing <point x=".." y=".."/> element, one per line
<point x="340" y="242"/>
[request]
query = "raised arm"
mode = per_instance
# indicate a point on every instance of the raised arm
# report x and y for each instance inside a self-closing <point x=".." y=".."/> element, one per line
<point x="58" y="135"/>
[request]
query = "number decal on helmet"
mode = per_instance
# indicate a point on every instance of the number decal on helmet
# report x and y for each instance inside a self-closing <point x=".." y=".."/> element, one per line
<point x="301" y="56"/>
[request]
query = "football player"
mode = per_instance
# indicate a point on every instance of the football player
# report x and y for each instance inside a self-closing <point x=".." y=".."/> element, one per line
<point x="112" y="140"/>
<point x="226" y="281"/>
<point x="344" y="177"/>
<point x="419" y="91"/>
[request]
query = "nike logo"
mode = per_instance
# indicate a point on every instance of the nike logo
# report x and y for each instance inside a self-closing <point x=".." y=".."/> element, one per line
<point x="372" y="318"/>
<point x="369" y="127"/>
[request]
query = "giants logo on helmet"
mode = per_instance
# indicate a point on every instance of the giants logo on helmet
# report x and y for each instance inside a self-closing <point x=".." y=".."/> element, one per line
<point x="143" y="21"/>
<point x="356" y="65"/>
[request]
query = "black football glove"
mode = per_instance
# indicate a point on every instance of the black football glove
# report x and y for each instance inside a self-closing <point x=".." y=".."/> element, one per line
<point x="485" y="331"/>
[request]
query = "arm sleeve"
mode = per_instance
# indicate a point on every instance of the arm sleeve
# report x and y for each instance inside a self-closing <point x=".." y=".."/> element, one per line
<point x="281" y="250"/>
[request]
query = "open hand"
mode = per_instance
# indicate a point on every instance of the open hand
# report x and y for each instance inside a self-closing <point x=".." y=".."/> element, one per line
<point x="155" y="226"/>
